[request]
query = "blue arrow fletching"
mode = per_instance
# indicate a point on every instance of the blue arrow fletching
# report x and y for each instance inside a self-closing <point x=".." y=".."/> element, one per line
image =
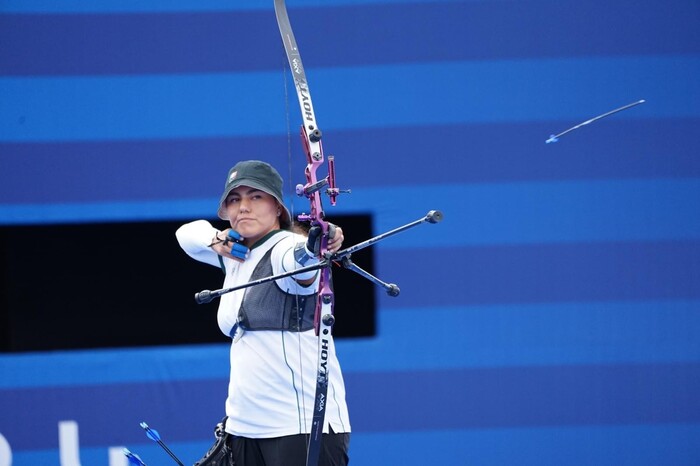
<point x="155" y="436"/>
<point x="152" y="433"/>
<point x="133" y="458"/>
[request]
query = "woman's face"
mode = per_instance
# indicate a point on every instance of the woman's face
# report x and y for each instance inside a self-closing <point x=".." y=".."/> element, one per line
<point x="252" y="213"/>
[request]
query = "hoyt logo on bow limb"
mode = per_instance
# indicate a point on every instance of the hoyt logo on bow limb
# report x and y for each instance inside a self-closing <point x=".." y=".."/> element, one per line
<point x="322" y="377"/>
<point x="307" y="109"/>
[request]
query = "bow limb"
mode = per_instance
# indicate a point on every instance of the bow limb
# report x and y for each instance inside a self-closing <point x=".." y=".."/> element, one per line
<point x="311" y="142"/>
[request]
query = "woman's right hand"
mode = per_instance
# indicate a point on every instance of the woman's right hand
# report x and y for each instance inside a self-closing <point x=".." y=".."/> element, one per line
<point x="228" y="243"/>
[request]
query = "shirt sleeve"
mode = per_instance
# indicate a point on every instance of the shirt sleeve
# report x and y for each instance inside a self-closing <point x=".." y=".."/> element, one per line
<point x="194" y="238"/>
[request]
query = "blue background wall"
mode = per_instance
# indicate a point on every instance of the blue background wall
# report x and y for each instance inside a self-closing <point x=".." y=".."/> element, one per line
<point x="552" y="318"/>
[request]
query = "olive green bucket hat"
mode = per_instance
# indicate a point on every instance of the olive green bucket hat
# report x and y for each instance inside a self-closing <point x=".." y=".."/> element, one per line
<point x="258" y="175"/>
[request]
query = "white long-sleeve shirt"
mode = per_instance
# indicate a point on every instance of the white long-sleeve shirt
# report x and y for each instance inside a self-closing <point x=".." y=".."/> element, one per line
<point x="273" y="372"/>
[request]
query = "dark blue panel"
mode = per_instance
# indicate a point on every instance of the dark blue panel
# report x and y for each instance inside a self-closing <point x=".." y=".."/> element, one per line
<point x="111" y="414"/>
<point x="525" y="396"/>
<point x="138" y="43"/>
<point x="192" y="168"/>
<point x="127" y="170"/>
<point x="543" y="273"/>
<point x="351" y="35"/>
<point x="428" y="155"/>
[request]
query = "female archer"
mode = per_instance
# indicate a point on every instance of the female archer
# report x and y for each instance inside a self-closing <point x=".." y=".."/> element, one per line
<point x="273" y="355"/>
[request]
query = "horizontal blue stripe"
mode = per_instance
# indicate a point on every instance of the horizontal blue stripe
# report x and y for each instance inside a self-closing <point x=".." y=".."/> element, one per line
<point x="521" y="213"/>
<point x="141" y="170"/>
<point x="95" y="212"/>
<point x="73" y="172"/>
<point x="91" y="108"/>
<point x="541" y="273"/>
<point x="110" y="414"/>
<point x="463" y="336"/>
<point x="671" y="444"/>
<point x="526" y="396"/>
<point x="151" y="453"/>
<point x="132" y="44"/>
<point x="477" y="398"/>
<point x="479" y="214"/>
<point x="198" y="42"/>
<point x="125" y="6"/>
<point x="640" y="445"/>
<point x="65" y="368"/>
<point x="526" y="335"/>
<point x="107" y="6"/>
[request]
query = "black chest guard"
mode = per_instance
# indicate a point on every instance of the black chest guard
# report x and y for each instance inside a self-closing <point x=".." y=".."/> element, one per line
<point x="267" y="307"/>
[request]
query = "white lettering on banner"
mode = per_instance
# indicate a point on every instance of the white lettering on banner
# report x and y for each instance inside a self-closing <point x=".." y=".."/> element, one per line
<point x="5" y="452"/>
<point x="68" y="443"/>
